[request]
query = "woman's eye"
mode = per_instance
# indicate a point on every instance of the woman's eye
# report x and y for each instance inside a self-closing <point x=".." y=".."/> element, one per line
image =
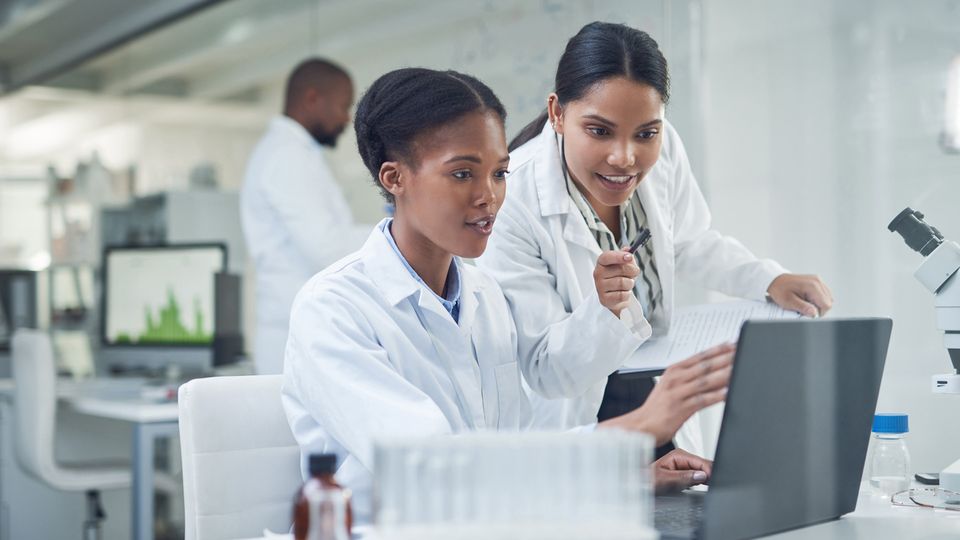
<point x="501" y="174"/>
<point x="598" y="131"/>
<point x="648" y="134"/>
<point x="461" y="175"/>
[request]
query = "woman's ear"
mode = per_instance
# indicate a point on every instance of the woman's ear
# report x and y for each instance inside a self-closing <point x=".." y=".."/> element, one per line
<point x="555" y="112"/>
<point x="390" y="178"/>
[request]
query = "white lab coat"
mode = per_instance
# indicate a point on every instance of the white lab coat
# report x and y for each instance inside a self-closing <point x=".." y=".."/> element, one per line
<point x="373" y="353"/>
<point x="296" y="222"/>
<point x="543" y="255"/>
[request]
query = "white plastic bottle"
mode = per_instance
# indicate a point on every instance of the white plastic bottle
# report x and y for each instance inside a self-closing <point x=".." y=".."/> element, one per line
<point x="890" y="462"/>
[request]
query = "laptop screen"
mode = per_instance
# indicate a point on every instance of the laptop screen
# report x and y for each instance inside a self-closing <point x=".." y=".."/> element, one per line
<point x="796" y="425"/>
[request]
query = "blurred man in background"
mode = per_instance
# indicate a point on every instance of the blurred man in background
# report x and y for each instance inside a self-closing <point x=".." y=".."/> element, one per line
<point x="295" y="218"/>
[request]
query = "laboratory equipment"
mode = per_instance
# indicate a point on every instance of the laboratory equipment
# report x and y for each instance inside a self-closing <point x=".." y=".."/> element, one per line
<point x="169" y="306"/>
<point x="938" y="273"/>
<point x="890" y="460"/>
<point x="492" y="486"/>
<point x="18" y="303"/>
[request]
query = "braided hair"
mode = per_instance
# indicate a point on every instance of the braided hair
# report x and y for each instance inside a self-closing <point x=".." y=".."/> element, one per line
<point x="404" y="103"/>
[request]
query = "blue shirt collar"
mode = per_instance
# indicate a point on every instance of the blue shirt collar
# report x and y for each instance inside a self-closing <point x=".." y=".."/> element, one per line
<point x="452" y="302"/>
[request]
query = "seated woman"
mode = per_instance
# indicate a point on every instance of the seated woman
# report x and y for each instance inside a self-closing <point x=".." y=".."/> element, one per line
<point x="402" y="338"/>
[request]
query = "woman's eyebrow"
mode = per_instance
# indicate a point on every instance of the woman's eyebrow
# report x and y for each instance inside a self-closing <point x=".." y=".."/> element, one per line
<point x="473" y="159"/>
<point x="601" y="119"/>
<point x="598" y="118"/>
<point x="651" y="123"/>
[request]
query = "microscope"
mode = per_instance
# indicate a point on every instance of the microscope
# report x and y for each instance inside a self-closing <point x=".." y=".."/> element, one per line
<point x="938" y="273"/>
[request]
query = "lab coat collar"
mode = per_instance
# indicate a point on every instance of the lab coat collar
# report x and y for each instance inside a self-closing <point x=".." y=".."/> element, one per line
<point x="551" y="190"/>
<point x="388" y="273"/>
<point x="291" y="127"/>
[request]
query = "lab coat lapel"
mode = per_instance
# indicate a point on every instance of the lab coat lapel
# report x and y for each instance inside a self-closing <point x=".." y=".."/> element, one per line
<point x="653" y="196"/>
<point x="553" y="196"/>
<point x="454" y="345"/>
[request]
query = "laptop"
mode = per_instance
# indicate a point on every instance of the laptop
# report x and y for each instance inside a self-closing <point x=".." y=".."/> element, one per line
<point x="795" y="431"/>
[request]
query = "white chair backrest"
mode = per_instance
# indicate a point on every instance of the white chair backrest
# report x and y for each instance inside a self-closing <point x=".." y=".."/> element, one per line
<point x="34" y="402"/>
<point x="241" y="464"/>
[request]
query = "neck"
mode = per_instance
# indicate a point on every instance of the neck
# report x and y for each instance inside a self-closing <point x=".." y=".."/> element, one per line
<point x="297" y="117"/>
<point x="429" y="261"/>
<point x="609" y="215"/>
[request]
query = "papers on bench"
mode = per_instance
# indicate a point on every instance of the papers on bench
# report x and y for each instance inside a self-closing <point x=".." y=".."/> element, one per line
<point x="696" y="328"/>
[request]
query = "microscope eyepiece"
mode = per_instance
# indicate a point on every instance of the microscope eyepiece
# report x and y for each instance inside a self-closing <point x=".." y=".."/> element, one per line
<point x="920" y="236"/>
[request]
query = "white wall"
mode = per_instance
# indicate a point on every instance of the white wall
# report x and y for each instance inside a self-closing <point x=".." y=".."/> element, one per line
<point x="822" y="121"/>
<point x="513" y="46"/>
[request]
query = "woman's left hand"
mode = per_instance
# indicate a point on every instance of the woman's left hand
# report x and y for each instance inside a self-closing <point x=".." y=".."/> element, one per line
<point x="805" y="294"/>
<point x="679" y="470"/>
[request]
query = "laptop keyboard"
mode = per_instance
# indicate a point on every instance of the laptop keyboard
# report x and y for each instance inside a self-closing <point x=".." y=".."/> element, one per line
<point x="678" y="517"/>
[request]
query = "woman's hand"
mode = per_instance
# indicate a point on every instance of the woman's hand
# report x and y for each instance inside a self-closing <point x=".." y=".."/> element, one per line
<point x="807" y="295"/>
<point x="679" y="470"/>
<point x="614" y="277"/>
<point x="684" y="388"/>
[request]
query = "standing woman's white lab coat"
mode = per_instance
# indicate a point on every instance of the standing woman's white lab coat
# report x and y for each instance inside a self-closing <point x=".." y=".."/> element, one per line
<point x="296" y="222"/>
<point x="373" y="353"/>
<point x="543" y="255"/>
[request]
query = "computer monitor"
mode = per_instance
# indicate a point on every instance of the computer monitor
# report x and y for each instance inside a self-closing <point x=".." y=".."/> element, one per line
<point x="160" y="305"/>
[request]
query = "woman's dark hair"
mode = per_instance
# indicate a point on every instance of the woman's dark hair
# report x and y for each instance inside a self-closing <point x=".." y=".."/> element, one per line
<point x="407" y="102"/>
<point x="598" y="52"/>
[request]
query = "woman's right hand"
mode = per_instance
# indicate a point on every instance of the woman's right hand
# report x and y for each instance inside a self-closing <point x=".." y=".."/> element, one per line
<point x="614" y="277"/>
<point x="684" y="388"/>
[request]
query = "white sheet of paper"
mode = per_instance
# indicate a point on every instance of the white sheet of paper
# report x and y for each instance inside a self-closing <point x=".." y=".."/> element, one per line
<point x="696" y="328"/>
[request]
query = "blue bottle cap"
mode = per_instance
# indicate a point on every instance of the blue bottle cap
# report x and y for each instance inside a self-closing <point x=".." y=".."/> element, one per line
<point x="890" y="423"/>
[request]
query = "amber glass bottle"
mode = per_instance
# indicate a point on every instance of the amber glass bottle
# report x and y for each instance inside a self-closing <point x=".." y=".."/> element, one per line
<point x="322" y="507"/>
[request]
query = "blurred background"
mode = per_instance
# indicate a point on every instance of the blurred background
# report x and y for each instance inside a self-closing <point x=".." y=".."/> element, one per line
<point x="809" y="124"/>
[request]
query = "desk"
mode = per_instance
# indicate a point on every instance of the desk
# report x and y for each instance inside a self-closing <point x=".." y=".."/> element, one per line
<point x="874" y="519"/>
<point x="151" y="421"/>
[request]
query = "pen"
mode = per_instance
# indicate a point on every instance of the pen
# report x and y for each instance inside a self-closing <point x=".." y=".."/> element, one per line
<point x="640" y="241"/>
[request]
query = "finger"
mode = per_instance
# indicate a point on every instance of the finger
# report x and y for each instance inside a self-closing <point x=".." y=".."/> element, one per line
<point x="667" y="480"/>
<point x="706" y="399"/>
<point x="716" y="350"/>
<point x="629" y="270"/>
<point x="813" y="293"/>
<point x="702" y="368"/>
<point x="617" y="298"/>
<point x="608" y="258"/>
<point x="801" y="306"/>
<point x="826" y="295"/>
<point x="617" y="284"/>
<point x="681" y="460"/>
<point x="715" y="380"/>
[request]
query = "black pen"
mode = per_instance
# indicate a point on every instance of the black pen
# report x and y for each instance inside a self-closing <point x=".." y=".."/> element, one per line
<point x="640" y="241"/>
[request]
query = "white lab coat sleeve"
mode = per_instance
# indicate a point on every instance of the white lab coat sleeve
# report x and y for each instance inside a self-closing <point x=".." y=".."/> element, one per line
<point x="302" y="191"/>
<point x="561" y="353"/>
<point x="703" y="255"/>
<point x="345" y="380"/>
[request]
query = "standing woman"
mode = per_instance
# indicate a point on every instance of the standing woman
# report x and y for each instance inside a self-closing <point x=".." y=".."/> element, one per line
<point x="587" y="176"/>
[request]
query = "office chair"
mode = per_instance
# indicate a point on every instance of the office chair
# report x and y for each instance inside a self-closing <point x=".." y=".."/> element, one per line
<point x="241" y="464"/>
<point x="35" y="406"/>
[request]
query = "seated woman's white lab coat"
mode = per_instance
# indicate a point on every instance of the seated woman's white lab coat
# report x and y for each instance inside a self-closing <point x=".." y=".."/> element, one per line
<point x="372" y="353"/>
<point x="543" y="256"/>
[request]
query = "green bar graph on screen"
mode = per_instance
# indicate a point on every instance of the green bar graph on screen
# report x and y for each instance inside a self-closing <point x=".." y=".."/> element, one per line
<point x="166" y="327"/>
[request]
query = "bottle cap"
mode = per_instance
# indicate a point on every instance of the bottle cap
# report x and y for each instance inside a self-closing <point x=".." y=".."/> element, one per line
<point x="890" y="423"/>
<point x="323" y="464"/>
